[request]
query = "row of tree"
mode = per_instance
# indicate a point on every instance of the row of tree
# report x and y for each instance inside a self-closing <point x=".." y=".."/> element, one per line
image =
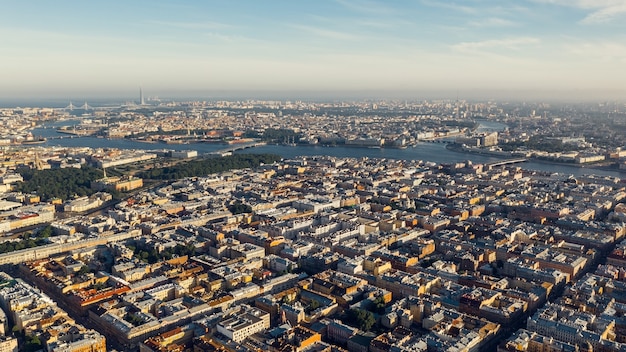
<point x="203" y="167"/>
<point x="58" y="183"/>
<point x="69" y="182"/>
<point x="151" y="256"/>
<point x="27" y="240"/>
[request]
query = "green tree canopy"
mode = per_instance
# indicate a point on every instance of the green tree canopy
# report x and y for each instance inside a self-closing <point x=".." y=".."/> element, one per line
<point x="203" y="167"/>
<point x="58" y="183"/>
<point x="362" y="318"/>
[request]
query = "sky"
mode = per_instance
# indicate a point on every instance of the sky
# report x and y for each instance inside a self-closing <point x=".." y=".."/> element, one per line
<point x="466" y="48"/>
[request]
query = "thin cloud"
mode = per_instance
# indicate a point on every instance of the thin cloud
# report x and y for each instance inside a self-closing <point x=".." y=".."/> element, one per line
<point x="450" y="6"/>
<point x="365" y="22"/>
<point x="379" y="24"/>
<point x="583" y="4"/>
<point x="605" y="51"/>
<point x="326" y="33"/>
<point x="508" y="43"/>
<point x="366" y="6"/>
<point x="600" y="11"/>
<point x="493" y="22"/>
<point x="192" y="25"/>
<point x="226" y="37"/>
<point x="606" y="14"/>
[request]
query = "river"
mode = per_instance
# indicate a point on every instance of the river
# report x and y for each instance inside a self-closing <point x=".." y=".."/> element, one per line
<point x="435" y="152"/>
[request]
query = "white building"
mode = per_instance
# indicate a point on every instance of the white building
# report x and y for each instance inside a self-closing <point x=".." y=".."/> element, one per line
<point x="247" y="321"/>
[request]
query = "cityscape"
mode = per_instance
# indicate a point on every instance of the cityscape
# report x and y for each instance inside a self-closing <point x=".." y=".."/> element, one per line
<point x="190" y="240"/>
<point x="327" y="176"/>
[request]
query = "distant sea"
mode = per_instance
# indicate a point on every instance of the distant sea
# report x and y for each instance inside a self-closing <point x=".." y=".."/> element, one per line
<point x="59" y="103"/>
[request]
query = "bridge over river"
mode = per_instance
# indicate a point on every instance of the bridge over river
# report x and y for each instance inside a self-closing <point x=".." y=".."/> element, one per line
<point x="506" y="162"/>
<point x="233" y="148"/>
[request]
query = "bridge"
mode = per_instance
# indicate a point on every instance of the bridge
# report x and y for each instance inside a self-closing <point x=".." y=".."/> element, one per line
<point x="71" y="107"/>
<point x="68" y="136"/>
<point x="506" y="162"/>
<point x="230" y="150"/>
<point x="446" y="140"/>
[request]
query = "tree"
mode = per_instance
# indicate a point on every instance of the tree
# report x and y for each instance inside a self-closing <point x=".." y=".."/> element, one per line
<point x="286" y="299"/>
<point x="208" y="166"/>
<point x="33" y="343"/>
<point x="58" y="183"/>
<point x="379" y="304"/>
<point x="17" y="332"/>
<point x="46" y="232"/>
<point x="133" y="319"/>
<point x="83" y="270"/>
<point x="26" y="241"/>
<point x="363" y="318"/>
<point x="238" y="208"/>
<point x="144" y="255"/>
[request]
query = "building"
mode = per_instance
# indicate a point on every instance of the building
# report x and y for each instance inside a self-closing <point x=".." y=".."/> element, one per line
<point x="8" y="344"/>
<point x="122" y="159"/>
<point x="74" y="340"/>
<point x="184" y="154"/>
<point x="121" y="184"/>
<point x="247" y="321"/>
<point x="339" y="332"/>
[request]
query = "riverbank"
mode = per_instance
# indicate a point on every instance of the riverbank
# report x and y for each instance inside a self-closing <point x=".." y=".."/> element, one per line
<point x="505" y="155"/>
<point x="612" y="167"/>
<point x="430" y="152"/>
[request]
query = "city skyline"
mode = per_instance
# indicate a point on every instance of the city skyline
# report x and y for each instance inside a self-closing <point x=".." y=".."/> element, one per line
<point x="475" y="49"/>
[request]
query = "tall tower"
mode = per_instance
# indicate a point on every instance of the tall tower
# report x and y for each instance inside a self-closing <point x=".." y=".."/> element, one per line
<point x="141" y="102"/>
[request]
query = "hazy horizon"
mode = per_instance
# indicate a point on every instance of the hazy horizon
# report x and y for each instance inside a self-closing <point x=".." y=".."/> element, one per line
<point x="476" y="49"/>
<point x="61" y="99"/>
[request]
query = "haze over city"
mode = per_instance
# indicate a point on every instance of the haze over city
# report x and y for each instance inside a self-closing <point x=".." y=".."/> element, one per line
<point x="313" y="176"/>
<point x="539" y="49"/>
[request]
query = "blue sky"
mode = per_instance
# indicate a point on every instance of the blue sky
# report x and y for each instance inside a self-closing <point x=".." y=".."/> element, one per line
<point x="473" y="47"/>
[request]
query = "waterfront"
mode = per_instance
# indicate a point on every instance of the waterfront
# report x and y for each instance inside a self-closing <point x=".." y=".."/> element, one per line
<point x="434" y="152"/>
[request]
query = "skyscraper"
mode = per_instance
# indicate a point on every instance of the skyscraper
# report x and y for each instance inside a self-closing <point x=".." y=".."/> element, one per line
<point x="141" y="102"/>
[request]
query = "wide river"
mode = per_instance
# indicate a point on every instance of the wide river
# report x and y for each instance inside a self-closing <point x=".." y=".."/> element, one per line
<point x="435" y="152"/>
